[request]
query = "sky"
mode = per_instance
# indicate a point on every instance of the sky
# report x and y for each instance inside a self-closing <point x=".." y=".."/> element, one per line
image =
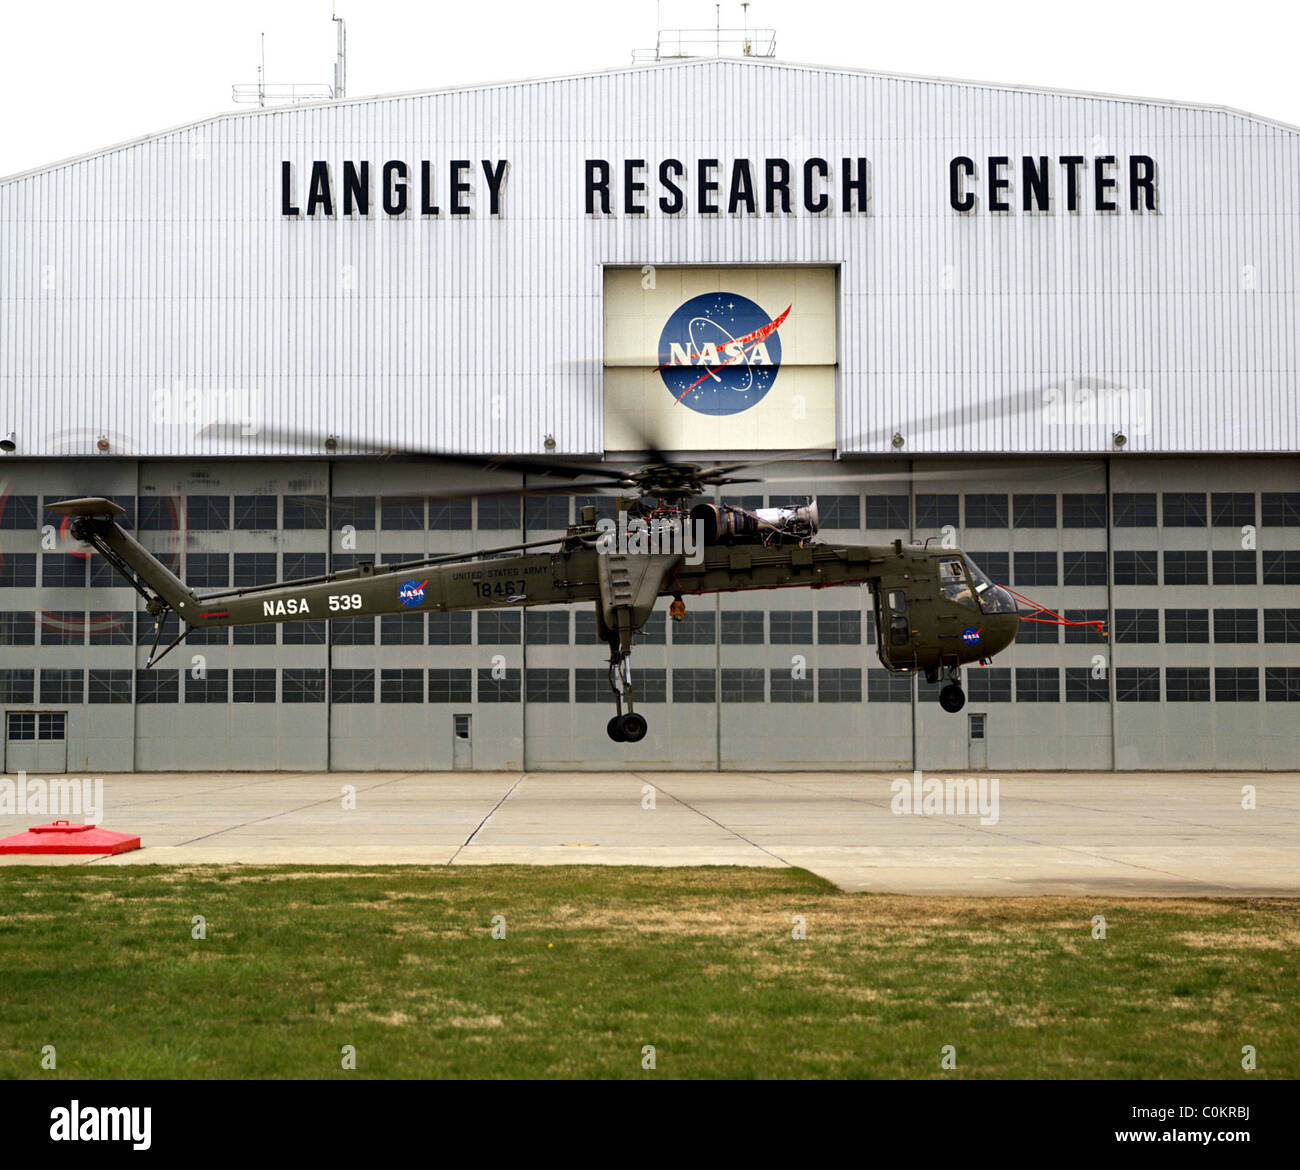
<point x="77" y="76"/>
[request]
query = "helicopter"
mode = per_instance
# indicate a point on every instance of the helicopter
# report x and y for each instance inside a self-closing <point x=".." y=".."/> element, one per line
<point x="935" y="609"/>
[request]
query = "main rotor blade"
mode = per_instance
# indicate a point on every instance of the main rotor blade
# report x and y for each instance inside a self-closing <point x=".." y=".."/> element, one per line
<point x="520" y="464"/>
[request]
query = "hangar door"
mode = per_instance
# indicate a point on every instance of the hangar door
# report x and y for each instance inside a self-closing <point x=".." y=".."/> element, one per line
<point x="36" y="741"/>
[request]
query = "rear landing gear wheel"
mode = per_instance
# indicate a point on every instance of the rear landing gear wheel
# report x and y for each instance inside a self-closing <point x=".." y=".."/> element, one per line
<point x="614" y="728"/>
<point x="952" y="698"/>
<point x="633" y="727"/>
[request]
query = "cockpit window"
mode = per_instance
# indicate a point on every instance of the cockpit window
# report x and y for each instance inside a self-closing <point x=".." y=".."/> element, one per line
<point x="992" y="598"/>
<point x="954" y="583"/>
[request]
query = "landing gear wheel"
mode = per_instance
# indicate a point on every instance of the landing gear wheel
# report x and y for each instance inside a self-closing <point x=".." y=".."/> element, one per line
<point x="952" y="698"/>
<point x="614" y="728"/>
<point x="633" y="727"/>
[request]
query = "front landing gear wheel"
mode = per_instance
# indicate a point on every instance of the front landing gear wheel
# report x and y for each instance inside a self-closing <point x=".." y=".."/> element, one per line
<point x="614" y="728"/>
<point x="633" y="727"/>
<point x="952" y="698"/>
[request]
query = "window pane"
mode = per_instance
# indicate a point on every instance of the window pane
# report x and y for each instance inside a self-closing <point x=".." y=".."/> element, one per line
<point x="1184" y="509"/>
<point x="213" y="688"/>
<point x="63" y="571"/>
<point x="500" y="515"/>
<point x="1236" y="625"/>
<point x="1135" y="509"/>
<point x="498" y="629"/>
<point x="1035" y="568"/>
<point x="207" y="513"/>
<point x="401" y="686"/>
<point x="987" y="511"/>
<point x="1232" y="509"/>
<point x="1187" y="568"/>
<point x="791" y="627"/>
<point x="1236" y="684"/>
<point x="304" y="512"/>
<point x="62" y="686"/>
<point x="451" y="629"/>
<point x="745" y="684"/>
<point x="1280" y="509"/>
<point x="694" y="686"/>
<point x="1082" y="687"/>
<point x="1187" y="684"/>
<point x="253" y="685"/>
<point x="399" y="513"/>
<point x="1234" y="568"/>
<point x="1137" y="625"/>
<point x="498" y="690"/>
<point x="207" y="570"/>
<point x="1038" y="684"/>
<point x="786" y="689"/>
<point x="110" y="686"/>
<point x="934" y="511"/>
<point x="17" y="628"/>
<point x="839" y="684"/>
<point x="18" y="512"/>
<point x="547" y="684"/>
<point x="1136" y="568"/>
<point x="401" y="629"/>
<point x="450" y="515"/>
<point x="547" y="628"/>
<point x="698" y="629"/>
<point x="157" y="686"/>
<point x="1083" y="510"/>
<point x="1137" y="684"/>
<point x="1187" y="625"/>
<point x="888" y="512"/>
<point x="354" y="511"/>
<point x="1036" y="510"/>
<point x="256" y="513"/>
<point x="742" y="627"/>
<point x="839" y="627"/>
<point x="352" y="686"/>
<point x="887" y="686"/>
<point x="303" y="686"/>
<point x="450" y="685"/>
<point x="1084" y="568"/>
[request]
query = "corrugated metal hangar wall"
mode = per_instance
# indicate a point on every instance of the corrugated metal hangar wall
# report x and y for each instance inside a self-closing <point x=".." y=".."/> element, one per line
<point x="1015" y="274"/>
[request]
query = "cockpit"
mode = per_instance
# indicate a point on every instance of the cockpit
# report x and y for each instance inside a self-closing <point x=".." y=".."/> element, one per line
<point x="964" y="582"/>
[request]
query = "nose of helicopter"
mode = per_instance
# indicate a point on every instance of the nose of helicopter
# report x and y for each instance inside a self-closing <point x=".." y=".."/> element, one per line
<point x="1000" y="629"/>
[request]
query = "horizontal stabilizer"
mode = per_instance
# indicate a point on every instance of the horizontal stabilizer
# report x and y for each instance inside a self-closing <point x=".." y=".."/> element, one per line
<point x="88" y="506"/>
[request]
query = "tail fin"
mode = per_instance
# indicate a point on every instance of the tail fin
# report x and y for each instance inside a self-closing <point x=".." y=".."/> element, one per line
<point x="93" y="523"/>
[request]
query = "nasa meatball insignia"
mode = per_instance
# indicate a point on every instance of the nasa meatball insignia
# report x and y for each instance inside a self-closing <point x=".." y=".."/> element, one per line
<point x="719" y="353"/>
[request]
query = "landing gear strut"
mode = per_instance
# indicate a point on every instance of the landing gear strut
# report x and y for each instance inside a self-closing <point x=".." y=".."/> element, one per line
<point x="626" y="726"/>
<point x="952" y="698"/>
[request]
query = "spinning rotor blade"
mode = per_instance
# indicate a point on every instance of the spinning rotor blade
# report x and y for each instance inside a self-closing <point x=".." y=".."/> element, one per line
<point x="523" y="465"/>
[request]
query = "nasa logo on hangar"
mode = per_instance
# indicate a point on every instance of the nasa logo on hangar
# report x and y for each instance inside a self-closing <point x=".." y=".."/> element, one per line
<point x="719" y="353"/>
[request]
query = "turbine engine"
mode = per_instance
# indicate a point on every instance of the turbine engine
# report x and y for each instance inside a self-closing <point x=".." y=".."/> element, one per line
<point x="724" y="523"/>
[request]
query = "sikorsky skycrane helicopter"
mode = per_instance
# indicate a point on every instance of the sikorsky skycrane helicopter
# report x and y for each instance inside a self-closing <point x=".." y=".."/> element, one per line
<point x="935" y="610"/>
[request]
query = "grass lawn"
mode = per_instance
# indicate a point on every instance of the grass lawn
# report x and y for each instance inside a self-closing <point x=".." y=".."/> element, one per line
<point x="598" y="962"/>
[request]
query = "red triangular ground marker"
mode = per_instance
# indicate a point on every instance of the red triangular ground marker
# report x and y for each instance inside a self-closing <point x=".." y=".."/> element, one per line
<point x="62" y="837"/>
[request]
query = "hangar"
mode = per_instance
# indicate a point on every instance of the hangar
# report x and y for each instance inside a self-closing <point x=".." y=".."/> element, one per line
<point x="1056" y="329"/>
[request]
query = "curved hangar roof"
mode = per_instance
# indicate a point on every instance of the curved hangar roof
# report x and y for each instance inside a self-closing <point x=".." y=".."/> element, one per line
<point x="1016" y="270"/>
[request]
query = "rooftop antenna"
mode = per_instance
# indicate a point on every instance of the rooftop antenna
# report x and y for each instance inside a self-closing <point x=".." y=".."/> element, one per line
<point x="341" y="63"/>
<point x="679" y="43"/>
<point x="262" y="92"/>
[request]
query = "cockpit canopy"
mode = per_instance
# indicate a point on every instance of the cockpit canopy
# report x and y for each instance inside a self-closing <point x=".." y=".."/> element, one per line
<point x="964" y="582"/>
